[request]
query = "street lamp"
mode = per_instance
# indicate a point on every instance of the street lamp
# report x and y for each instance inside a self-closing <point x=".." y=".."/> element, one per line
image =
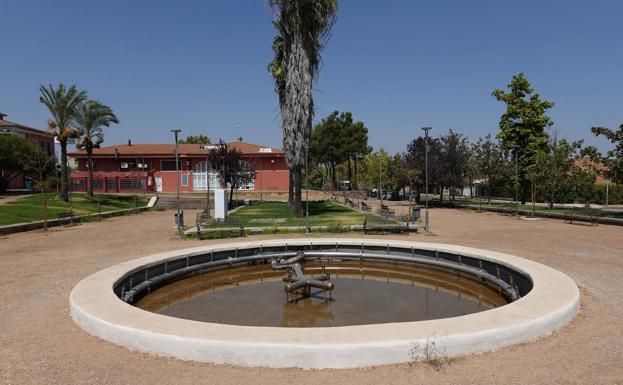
<point x="177" y="173"/>
<point x="307" y="191"/>
<point x="380" y="187"/>
<point x="426" y="225"/>
<point x="516" y="181"/>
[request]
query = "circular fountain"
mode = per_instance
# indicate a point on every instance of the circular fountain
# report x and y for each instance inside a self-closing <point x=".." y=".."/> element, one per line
<point x="320" y="303"/>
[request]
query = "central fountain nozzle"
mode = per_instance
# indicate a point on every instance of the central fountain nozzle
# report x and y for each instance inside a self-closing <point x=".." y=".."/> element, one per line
<point x="296" y="282"/>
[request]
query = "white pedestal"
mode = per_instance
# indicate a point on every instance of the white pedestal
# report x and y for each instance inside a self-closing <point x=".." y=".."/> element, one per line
<point x="220" y="203"/>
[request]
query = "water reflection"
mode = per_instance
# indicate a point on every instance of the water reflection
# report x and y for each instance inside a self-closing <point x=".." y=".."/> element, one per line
<point x="364" y="293"/>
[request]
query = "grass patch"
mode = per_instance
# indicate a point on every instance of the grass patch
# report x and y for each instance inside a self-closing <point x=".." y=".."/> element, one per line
<point x="30" y="208"/>
<point x="321" y="213"/>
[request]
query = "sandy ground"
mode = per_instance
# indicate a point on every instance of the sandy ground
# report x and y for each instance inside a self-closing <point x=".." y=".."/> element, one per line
<point x="40" y="344"/>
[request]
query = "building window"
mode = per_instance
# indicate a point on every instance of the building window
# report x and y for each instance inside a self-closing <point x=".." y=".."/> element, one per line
<point x="131" y="184"/>
<point x="247" y="186"/>
<point x="184" y="179"/>
<point x="169" y="165"/>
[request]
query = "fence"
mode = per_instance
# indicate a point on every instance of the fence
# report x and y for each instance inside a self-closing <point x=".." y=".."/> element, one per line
<point x="110" y="185"/>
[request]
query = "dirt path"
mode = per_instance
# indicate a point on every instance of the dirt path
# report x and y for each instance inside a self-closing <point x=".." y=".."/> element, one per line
<point x="5" y="198"/>
<point x="39" y="343"/>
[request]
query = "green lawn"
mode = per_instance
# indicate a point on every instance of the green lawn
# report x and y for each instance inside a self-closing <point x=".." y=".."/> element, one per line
<point x="322" y="213"/>
<point x="30" y="208"/>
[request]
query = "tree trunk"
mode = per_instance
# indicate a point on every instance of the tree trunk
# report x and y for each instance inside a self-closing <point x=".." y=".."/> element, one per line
<point x="356" y="174"/>
<point x="297" y="111"/>
<point x="231" y="196"/>
<point x="440" y="195"/>
<point x="90" y="172"/>
<point x="350" y="173"/>
<point x="291" y="188"/>
<point x="64" y="171"/>
<point x="333" y="176"/>
<point x="298" y="188"/>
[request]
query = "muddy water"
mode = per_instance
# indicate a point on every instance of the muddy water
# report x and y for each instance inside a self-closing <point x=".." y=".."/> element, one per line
<point x="365" y="293"/>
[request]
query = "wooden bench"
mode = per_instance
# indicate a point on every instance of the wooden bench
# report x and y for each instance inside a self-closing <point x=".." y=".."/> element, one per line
<point x="584" y="214"/>
<point x="387" y="210"/>
<point x="68" y="218"/>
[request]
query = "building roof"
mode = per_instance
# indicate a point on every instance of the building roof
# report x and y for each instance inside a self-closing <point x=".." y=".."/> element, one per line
<point x="21" y="127"/>
<point x="169" y="149"/>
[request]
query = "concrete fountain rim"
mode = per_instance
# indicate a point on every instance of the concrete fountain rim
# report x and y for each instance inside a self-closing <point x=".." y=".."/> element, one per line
<point x="551" y="304"/>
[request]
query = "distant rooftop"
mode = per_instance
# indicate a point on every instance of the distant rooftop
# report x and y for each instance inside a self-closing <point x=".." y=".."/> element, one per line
<point x="7" y="125"/>
<point x="141" y="149"/>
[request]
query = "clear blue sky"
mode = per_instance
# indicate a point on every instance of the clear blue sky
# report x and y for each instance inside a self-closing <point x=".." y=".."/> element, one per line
<point x="397" y="65"/>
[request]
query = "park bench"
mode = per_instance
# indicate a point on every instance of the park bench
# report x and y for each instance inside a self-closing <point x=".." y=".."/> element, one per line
<point x="350" y="203"/>
<point x="584" y="214"/>
<point x="66" y="218"/>
<point x="386" y="210"/>
<point x="365" y="207"/>
<point x="383" y="228"/>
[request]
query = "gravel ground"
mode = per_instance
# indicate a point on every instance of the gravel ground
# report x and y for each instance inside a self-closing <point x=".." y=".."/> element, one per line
<point x="39" y="343"/>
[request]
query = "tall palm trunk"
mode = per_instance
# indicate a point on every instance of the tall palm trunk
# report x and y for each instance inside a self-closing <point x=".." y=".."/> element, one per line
<point x="90" y="172"/>
<point x="64" y="171"/>
<point x="297" y="114"/>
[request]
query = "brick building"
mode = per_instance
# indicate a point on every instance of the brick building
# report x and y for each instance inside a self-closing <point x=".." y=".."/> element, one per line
<point x="15" y="179"/>
<point x="151" y="167"/>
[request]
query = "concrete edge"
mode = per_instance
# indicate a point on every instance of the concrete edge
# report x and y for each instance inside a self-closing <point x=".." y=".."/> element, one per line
<point x="105" y="316"/>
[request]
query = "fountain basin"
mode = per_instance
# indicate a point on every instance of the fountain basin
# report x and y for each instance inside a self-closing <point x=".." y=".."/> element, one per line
<point x="546" y="301"/>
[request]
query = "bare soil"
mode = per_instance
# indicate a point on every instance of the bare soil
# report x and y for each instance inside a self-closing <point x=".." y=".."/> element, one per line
<point x="40" y="344"/>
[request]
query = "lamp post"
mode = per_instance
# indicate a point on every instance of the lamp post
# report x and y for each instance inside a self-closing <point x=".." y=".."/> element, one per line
<point x="380" y="187"/>
<point x="208" y="185"/>
<point x="177" y="184"/>
<point x="307" y="229"/>
<point x="516" y="181"/>
<point x="426" y="223"/>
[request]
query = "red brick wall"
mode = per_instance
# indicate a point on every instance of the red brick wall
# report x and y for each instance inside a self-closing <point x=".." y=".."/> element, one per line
<point x="271" y="173"/>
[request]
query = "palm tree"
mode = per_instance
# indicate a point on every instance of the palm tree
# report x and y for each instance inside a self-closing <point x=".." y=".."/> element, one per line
<point x="277" y="68"/>
<point x="302" y="28"/>
<point x="62" y="103"/>
<point x="90" y="118"/>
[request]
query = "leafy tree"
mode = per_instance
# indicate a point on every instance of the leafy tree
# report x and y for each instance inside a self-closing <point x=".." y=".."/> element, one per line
<point x="302" y="27"/>
<point x="327" y="144"/>
<point x="374" y="167"/>
<point x="62" y="103"/>
<point x="591" y="153"/>
<point x="196" y="139"/>
<point x="523" y="124"/>
<point x="90" y="118"/>
<point x="402" y="175"/>
<point x="356" y="146"/>
<point x="233" y="171"/>
<point x="15" y="152"/>
<point x="454" y="152"/>
<point x="556" y="174"/>
<point x="415" y="158"/>
<point x="614" y="158"/>
<point x="489" y="162"/>
<point x="338" y="139"/>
